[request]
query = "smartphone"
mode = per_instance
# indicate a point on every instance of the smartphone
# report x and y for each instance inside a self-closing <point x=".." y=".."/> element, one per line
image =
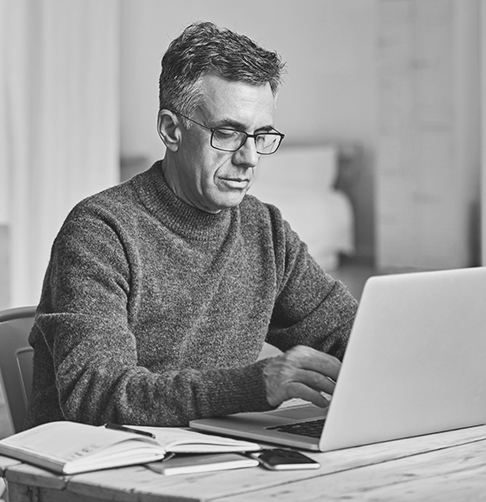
<point x="279" y="459"/>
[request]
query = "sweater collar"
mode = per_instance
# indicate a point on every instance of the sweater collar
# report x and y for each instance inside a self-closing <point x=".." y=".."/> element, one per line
<point x="180" y="217"/>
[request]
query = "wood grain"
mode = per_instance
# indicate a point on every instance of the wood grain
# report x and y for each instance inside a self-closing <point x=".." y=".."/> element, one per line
<point x="444" y="466"/>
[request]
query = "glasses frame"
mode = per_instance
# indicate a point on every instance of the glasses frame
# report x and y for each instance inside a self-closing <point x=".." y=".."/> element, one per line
<point x="254" y="136"/>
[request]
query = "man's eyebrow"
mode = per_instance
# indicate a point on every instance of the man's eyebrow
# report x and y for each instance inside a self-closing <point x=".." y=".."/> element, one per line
<point x="234" y="124"/>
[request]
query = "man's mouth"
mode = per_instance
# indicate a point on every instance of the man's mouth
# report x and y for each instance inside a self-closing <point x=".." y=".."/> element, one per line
<point x="236" y="183"/>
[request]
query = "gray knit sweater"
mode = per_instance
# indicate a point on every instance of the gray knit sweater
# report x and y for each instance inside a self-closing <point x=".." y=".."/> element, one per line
<point x="153" y="312"/>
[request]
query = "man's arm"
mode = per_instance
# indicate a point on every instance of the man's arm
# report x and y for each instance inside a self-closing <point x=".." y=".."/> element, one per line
<point x="85" y="318"/>
<point x="311" y="323"/>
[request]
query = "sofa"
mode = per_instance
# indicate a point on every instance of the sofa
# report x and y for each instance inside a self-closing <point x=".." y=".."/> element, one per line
<point x="300" y="181"/>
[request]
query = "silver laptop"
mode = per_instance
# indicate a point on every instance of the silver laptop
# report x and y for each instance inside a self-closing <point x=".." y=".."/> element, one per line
<point x="415" y="364"/>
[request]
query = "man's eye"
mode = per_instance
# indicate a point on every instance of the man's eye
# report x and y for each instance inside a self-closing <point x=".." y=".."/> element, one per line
<point x="225" y="133"/>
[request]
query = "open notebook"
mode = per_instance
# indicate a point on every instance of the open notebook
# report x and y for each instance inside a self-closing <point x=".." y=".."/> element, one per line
<point x="414" y="365"/>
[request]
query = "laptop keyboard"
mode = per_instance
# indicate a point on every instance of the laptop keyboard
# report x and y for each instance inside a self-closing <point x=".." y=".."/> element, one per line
<point x="312" y="429"/>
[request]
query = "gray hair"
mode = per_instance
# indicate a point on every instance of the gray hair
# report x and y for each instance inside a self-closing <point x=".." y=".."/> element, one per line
<point x="203" y="48"/>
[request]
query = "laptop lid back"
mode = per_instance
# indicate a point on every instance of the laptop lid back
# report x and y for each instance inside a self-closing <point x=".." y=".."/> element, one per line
<point x="415" y="362"/>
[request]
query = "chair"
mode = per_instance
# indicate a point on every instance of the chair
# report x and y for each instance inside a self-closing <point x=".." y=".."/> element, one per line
<point x="16" y="365"/>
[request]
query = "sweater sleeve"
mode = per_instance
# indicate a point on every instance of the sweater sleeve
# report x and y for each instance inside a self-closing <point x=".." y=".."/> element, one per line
<point x="86" y="362"/>
<point x="312" y="308"/>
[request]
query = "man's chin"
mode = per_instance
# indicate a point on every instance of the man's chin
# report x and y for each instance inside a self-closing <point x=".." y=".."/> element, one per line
<point x="229" y="201"/>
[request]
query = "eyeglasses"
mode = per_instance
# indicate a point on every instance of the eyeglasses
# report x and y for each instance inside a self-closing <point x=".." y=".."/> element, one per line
<point x="231" y="140"/>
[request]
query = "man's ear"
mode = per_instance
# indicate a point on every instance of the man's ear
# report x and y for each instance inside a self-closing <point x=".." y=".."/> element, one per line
<point x="168" y="127"/>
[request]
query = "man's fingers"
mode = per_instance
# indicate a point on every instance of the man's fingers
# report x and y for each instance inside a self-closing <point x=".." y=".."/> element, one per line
<point x="301" y="372"/>
<point x="301" y="391"/>
<point x="315" y="381"/>
<point x="310" y="359"/>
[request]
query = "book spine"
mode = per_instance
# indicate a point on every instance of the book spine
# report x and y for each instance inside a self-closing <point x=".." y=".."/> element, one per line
<point x="31" y="458"/>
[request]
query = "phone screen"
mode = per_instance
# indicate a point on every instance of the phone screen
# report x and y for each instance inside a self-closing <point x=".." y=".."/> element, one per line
<point x="279" y="459"/>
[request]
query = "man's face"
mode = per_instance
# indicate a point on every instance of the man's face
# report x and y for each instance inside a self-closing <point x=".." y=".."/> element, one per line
<point x="210" y="179"/>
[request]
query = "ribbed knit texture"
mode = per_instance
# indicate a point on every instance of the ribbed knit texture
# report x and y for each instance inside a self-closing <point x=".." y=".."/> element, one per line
<point x="153" y="312"/>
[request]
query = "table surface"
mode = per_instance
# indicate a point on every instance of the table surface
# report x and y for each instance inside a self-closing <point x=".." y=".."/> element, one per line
<point x="444" y="466"/>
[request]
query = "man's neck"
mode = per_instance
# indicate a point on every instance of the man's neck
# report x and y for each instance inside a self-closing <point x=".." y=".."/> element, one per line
<point x="169" y="171"/>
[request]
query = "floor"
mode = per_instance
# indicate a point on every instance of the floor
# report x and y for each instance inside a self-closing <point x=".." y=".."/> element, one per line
<point x="351" y="273"/>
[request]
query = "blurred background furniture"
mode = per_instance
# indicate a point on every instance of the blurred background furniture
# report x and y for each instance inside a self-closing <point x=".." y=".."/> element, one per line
<point x="16" y="362"/>
<point x="301" y="182"/>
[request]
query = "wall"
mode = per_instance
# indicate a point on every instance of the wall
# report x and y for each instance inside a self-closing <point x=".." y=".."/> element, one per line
<point x="4" y="262"/>
<point x="59" y="121"/>
<point x="330" y="88"/>
<point x="427" y="168"/>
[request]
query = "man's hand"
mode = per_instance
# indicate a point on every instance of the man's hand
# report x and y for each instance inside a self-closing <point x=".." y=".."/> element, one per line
<point x="301" y="372"/>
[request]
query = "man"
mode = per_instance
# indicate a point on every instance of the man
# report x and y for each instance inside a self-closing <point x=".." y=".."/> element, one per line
<point x="161" y="291"/>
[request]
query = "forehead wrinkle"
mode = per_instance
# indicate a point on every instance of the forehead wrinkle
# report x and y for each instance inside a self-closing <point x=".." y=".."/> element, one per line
<point x="238" y="126"/>
<point x="230" y="123"/>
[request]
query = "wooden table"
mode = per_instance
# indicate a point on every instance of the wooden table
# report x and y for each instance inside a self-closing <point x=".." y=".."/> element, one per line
<point x="449" y="466"/>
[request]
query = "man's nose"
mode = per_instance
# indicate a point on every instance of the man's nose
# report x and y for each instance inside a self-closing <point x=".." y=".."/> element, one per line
<point x="247" y="155"/>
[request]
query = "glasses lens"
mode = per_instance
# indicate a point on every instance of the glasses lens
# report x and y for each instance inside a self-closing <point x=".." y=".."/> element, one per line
<point x="227" y="139"/>
<point x="267" y="143"/>
<point x="230" y="140"/>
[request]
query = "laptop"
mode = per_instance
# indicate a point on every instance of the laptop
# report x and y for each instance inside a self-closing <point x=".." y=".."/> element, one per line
<point x="414" y="365"/>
